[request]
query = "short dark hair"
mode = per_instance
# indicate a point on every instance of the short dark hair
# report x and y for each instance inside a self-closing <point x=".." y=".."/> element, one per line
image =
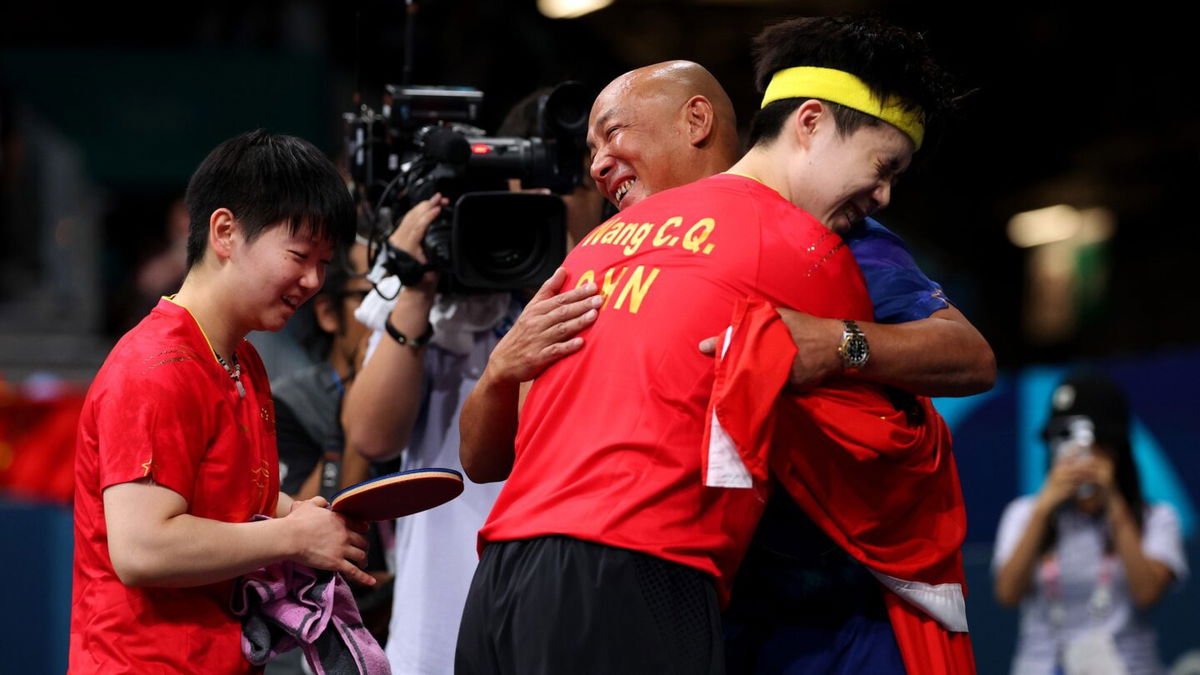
<point x="895" y="63"/>
<point x="265" y="179"/>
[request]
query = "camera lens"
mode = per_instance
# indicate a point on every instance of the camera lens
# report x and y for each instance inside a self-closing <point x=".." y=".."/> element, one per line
<point x="565" y="110"/>
<point x="506" y="252"/>
<point x="508" y="240"/>
<point x="437" y="244"/>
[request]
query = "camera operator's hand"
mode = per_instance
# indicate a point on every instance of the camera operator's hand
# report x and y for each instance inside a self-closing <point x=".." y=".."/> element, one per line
<point x="411" y="231"/>
<point x="546" y="331"/>
<point x="1064" y="479"/>
<point x="1100" y="471"/>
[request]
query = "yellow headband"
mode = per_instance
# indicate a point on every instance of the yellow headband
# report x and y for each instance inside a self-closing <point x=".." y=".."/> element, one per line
<point x="845" y="89"/>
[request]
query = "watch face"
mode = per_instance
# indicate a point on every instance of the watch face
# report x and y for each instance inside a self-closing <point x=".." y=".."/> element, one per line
<point x="856" y="350"/>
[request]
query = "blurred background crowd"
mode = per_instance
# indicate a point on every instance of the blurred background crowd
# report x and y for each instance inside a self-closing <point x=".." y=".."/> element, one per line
<point x="1055" y="213"/>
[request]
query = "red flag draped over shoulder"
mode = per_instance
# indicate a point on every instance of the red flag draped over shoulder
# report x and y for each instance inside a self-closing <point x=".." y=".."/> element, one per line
<point x="881" y="482"/>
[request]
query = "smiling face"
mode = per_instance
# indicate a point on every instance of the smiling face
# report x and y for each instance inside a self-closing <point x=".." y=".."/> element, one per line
<point x="638" y="138"/>
<point x="845" y="178"/>
<point x="276" y="273"/>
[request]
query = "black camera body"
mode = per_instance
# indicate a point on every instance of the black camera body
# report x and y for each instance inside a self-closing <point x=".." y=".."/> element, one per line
<point x="422" y="142"/>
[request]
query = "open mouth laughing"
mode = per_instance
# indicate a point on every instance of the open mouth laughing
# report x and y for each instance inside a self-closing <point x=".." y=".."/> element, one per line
<point x="622" y="190"/>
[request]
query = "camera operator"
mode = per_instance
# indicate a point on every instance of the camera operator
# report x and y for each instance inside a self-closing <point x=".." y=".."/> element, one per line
<point x="424" y="357"/>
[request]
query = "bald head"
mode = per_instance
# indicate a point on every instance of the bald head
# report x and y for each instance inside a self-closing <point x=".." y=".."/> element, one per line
<point x="685" y="79"/>
<point x="659" y="127"/>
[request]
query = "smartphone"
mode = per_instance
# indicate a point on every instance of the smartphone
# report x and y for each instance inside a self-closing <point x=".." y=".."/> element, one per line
<point x="1071" y="440"/>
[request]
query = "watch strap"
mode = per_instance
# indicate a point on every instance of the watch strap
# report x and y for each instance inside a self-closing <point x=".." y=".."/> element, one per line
<point x="402" y="339"/>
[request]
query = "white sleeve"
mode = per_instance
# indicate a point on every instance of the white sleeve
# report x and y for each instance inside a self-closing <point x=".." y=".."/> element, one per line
<point x="374" y="309"/>
<point x="1162" y="540"/>
<point x="1012" y="526"/>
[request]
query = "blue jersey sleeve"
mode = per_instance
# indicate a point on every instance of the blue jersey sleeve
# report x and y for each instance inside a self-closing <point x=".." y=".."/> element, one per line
<point x="900" y="291"/>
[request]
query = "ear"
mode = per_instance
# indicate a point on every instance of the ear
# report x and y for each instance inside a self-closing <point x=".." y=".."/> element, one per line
<point x="698" y="113"/>
<point x="808" y="118"/>
<point x="325" y="310"/>
<point x="222" y="229"/>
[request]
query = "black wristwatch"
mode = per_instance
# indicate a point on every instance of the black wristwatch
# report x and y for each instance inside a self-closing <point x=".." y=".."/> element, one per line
<point x="854" y="349"/>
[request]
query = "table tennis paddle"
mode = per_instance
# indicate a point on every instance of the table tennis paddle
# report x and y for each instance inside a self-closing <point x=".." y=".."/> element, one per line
<point x="398" y="494"/>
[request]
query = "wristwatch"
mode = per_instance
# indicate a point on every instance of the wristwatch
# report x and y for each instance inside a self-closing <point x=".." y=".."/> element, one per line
<point x="854" y="349"/>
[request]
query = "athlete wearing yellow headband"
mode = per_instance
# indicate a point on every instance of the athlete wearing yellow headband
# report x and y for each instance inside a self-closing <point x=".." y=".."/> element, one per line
<point x="838" y="86"/>
<point x="855" y="99"/>
<point x="846" y="103"/>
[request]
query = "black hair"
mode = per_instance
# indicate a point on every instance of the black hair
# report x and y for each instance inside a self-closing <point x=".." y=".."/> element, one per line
<point x="265" y="179"/>
<point x="895" y="64"/>
<point x="1129" y="481"/>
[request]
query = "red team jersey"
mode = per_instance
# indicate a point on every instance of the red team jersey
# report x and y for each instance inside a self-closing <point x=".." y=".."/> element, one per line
<point x="609" y="447"/>
<point x="163" y="408"/>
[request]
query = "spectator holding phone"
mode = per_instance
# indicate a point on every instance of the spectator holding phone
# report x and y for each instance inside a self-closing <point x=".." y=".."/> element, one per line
<point x="1086" y="557"/>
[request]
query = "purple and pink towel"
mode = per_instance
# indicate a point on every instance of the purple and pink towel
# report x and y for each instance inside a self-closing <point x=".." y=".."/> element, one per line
<point x="289" y="605"/>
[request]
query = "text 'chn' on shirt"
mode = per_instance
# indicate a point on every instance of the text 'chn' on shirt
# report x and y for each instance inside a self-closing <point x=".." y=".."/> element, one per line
<point x="609" y="444"/>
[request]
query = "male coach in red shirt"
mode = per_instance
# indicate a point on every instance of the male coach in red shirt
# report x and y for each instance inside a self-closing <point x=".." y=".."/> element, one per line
<point x="602" y="551"/>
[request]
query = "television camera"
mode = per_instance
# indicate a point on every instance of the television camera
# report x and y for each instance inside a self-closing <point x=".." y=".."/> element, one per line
<point x="423" y="141"/>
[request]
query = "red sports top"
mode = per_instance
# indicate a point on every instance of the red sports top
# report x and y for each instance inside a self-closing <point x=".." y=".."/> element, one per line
<point x="609" y="444"/>
<point x="163" y="408"/>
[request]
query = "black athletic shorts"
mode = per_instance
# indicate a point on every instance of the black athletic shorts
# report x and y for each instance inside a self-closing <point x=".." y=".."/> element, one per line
<point x="557" y="605"/>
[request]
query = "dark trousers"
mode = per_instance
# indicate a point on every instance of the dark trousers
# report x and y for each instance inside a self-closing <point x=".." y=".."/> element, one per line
<point x="555" y="605"/>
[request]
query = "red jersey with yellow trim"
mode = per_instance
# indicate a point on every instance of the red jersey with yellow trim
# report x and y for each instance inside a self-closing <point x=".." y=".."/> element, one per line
<point x="163" y="408"/>
<point x="609" y="444"/>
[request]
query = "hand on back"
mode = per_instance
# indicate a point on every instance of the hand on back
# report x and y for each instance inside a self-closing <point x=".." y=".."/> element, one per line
<point x="546" y="331"/>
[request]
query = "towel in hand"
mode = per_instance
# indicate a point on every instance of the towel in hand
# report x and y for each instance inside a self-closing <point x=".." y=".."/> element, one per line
<point x="288" y="605"/>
